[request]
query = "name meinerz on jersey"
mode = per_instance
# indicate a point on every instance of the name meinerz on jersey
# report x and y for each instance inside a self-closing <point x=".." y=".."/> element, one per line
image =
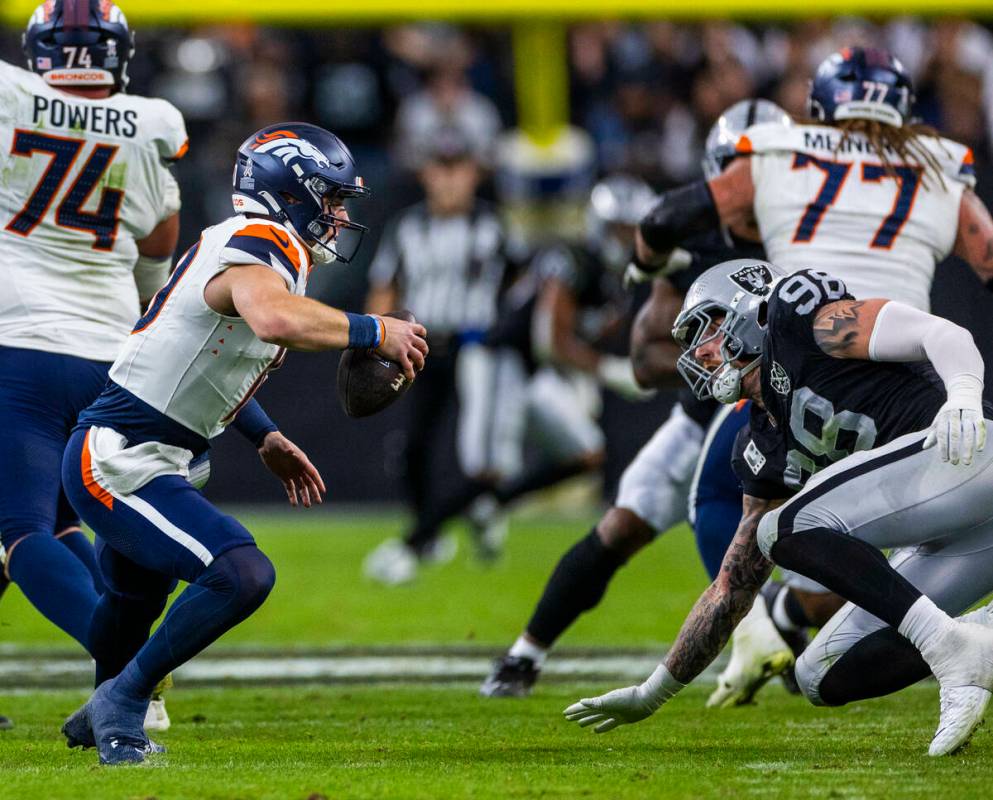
<point x="837" y="144"/>
<point x="95" y="119"/>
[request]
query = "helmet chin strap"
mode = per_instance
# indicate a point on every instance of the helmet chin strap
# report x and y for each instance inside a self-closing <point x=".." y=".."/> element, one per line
<point x="725" y="386"/>
<point x="319" y="253"/>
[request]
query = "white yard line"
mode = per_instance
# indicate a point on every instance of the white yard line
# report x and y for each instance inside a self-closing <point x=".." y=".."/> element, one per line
<point x="26" y="670"/>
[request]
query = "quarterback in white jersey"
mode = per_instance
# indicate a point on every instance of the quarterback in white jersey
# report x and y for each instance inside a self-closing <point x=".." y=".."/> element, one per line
<point x="865" y="194"/>
<point x="223" y="320"/>
<point x="88" y="225"/>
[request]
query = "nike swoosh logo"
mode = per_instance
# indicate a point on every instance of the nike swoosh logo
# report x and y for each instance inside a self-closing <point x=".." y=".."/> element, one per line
<point x="282" y="241"/>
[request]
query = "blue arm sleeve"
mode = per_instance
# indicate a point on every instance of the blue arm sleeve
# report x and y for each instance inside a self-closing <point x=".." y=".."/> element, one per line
<point x="253" y="423"/>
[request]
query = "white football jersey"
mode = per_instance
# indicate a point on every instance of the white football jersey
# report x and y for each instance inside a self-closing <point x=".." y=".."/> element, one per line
<point x="187" y="361"/>
<point x="836" y="210"/>
<point x="81" y="181"/>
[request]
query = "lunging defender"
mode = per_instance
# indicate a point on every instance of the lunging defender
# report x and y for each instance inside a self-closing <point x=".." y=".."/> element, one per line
<point x="231" y="308"/>
<point x="845" y="407"/>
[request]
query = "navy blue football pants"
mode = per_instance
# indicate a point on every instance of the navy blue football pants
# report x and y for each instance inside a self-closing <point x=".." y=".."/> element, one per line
<point x="50" y="559"/>
<point x="716" y="492"/>
<point x="164" y="531"/>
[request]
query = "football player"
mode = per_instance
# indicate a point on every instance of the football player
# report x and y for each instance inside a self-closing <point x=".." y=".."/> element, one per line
<point x="844" y="389"/>
<point x="863" y="193"/>
<point x="231" y="308"/>
<point x="652" y="496"/>
<point x="88" y="224"/>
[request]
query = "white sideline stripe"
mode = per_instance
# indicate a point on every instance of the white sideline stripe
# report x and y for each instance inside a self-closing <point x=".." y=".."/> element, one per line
<point x="149" y="512"/>
<point x="21" y="671"/>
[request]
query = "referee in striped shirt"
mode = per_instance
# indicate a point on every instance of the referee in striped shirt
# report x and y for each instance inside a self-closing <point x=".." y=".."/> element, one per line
<point x="444" y="259"/>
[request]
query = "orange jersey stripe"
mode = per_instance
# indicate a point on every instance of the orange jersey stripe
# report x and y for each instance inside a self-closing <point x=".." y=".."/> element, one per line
<point x="272" y="234"/>
<point x="744" y="145"/>
<point x="89" y="481"/>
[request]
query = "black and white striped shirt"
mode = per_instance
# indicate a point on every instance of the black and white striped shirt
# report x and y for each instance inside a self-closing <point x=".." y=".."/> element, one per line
<point x="448" y="270"/>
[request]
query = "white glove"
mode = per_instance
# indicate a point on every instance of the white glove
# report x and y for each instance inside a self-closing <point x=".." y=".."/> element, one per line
<point x="959" y="428"/>
<point x="617" y="374"/>
<point x="624" y="706"/>
<point x="678" y="260"/>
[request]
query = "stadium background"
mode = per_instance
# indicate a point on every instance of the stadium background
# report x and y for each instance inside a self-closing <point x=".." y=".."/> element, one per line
<point x="645" y="92"/>
<point x="338" y="688"/>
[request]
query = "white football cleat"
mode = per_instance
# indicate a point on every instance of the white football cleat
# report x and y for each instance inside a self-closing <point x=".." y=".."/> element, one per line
<point x="157" y="718"/>
<point x="961" y="658"/>
<point x="392" y="563"/>
<point x="758" y="654"/>
<point x="980" y="616"/>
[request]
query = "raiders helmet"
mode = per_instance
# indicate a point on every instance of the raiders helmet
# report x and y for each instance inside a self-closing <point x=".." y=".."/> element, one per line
<point x="727" y="301"/>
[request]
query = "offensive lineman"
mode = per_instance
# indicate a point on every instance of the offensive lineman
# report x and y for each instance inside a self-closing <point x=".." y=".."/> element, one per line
<point x="841" y="387"/>
<point x="231" y="308"/>
<point x="88" y="224"/>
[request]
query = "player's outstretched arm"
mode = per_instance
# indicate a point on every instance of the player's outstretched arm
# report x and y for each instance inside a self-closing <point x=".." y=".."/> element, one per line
<point x="694" y="208"/>
<point x="974" y="240"/>
<point x="261" y="298"/>
<point x="702" y="637"/>
<point x="653" y="351"/>
<point x="881" y="330"/>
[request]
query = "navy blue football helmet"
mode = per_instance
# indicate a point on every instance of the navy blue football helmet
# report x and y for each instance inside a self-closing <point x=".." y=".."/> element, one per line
<point x="83" y="43"/>
<point x="291" y="172"/>
<point x="861" y="83"/>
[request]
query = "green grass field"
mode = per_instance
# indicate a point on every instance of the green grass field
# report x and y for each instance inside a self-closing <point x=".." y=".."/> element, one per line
<point x="440" y="740"/>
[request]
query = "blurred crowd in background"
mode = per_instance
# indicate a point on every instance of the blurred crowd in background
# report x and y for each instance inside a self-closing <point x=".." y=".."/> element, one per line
<point x="645" y="92"/>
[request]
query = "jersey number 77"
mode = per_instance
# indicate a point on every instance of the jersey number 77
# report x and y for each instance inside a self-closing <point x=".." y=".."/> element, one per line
<point x="835" y="172"/>
<point x="63" y="152"/>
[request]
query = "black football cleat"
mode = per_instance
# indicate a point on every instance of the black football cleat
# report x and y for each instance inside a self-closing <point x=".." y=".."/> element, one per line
<point x="512" y="676"/>
<point x="6" y="723"/>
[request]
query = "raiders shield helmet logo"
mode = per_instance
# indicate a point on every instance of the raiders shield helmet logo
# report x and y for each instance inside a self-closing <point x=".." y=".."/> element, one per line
<point x="753" y="278"/>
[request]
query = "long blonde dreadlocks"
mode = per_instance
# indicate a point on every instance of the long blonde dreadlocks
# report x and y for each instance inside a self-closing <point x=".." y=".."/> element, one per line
<point x="896" y="146"/>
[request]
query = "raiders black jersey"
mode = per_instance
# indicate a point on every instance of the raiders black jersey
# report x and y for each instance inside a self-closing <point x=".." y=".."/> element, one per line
<point x="708" y="250"/>
<point x="819" y="409"/>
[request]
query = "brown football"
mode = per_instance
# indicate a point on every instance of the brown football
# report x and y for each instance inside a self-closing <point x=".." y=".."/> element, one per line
<point x="367" y="382"/>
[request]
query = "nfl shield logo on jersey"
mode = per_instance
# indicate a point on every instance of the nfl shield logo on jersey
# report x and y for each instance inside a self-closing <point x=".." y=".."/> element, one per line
<point x="753" y="278"/>
<point x="779" y="379"/>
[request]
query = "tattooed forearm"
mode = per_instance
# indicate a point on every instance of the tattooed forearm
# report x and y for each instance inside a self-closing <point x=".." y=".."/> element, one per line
<point x="720" y="609"/>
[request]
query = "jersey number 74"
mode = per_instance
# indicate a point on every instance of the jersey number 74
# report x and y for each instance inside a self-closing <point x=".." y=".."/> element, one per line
<point x="835" y="173"/>
<point x="63" y="152"/>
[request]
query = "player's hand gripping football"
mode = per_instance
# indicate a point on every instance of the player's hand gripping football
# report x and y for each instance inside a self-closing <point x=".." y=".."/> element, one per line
<point x="302" y="481"/>
<point x="404" y="343"/>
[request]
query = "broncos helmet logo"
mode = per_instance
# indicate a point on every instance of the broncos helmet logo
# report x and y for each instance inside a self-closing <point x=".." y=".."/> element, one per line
<point x="287" y="146"/>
